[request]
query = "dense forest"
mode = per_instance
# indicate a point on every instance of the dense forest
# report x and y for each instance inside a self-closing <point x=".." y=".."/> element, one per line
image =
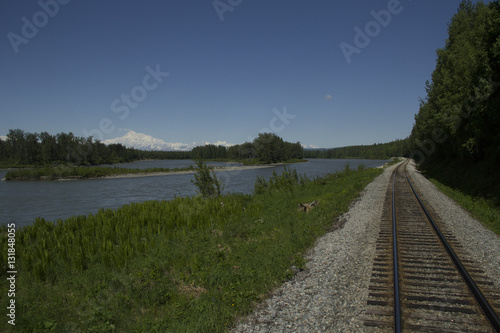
<point x="456" y="137"/>
<point x="267" y="148"/>
<point x="23" y="148"/>
<point x="375" y="151"/>
<point x="29" y="149"/>
<point x="460" y="117"/>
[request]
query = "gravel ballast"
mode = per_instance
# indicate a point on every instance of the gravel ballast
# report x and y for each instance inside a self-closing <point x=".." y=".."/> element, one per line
<point x="482" y="245"/>
<point x="330" y="294"/>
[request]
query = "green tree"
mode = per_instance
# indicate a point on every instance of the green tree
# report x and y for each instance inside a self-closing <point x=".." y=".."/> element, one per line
<point x="48" y="148"/>
<point x="4" y="150"/>
<point x="297" y="151"/>
<point x="247" y="151"/>
<point x="17" y="145"/>
<point x="32" y="152"/>
<point x="463" y="97"/>
<point x="206" y="181"/>
<point x="269" y="148"/>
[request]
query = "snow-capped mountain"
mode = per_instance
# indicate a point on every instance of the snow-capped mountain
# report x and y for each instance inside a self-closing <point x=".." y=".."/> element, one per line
<point x="147" y="142"/>
<point x="310" y="147"/>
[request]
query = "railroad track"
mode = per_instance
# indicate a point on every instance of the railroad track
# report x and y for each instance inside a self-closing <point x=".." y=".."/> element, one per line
<point x="426" y="284"/>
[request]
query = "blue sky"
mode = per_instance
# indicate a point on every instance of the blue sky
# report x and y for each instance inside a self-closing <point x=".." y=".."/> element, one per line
<point x="100" y="67"/>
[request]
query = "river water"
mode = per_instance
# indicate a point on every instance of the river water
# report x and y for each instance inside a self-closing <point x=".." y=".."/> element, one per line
<point x="22" y="202"/>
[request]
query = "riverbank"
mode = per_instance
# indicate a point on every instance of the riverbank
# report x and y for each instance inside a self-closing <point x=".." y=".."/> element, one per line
<point x="184" y="172"/>
<point x="188" y="264"/>
<point x="82" y="173"/>
<point x="79" y="173"/>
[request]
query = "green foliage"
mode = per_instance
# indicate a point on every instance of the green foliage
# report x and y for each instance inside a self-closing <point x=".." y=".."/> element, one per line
<point x="455" y="137"/>
<point x="270" y="148"/>
<point x="482" y="209"/>
<point x="266" y="148"/>
<point x="459" y="118"/>
<point x="22" y="149"/>
<point x="185" y="265"/>
<point x="376" y="151"/>
<point x="64" y="171"/>
<point x="206" y="181"/>
<point x="287" y="181"/>
<point x="29" y="149"/>
<point x="208" y="152"/>
<point x="477" y="179"/>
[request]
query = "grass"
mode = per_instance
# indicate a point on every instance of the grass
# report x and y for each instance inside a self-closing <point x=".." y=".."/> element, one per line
<point x="394" y="160"/>
<point x="66" y="172"/>
<point x="481" y="209"/>
<point x="473" y="185"/>
<point x="477" y="179"/>
<point x="186" y="265"/>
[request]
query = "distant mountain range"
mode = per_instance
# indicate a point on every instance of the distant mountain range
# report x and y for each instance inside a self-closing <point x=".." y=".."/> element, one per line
<point x="147" y="142"/>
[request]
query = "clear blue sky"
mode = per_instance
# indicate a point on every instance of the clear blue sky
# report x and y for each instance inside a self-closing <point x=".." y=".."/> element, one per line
<point x="225" y="76"/>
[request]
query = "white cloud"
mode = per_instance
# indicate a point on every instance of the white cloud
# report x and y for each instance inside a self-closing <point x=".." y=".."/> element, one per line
<point x="328" y="97"/>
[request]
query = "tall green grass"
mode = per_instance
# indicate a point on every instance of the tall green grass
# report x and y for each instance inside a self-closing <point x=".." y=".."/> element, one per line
<point x="186" y="265"/>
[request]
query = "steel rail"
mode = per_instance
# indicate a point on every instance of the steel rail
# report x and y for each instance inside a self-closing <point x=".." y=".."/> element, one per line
<point x="482" y="301"/>
<point x="397" y="299"/>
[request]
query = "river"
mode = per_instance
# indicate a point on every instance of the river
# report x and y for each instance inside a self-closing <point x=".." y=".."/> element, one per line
<point x="22" y="202"/>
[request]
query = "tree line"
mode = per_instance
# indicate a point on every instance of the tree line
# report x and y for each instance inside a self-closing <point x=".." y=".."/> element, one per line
<point x="375" y="151"/>
<point x="23" y="148"/>
<point x="459" y="118"/>
<point x="266" y="148"/>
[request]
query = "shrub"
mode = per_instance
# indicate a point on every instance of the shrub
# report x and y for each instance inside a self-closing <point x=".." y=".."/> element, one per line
<point x="207" y="182"/>
<point x="287" y="180"/>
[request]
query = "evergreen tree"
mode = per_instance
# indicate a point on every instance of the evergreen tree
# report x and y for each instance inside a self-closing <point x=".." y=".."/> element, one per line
<point x="463" y="98"/>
